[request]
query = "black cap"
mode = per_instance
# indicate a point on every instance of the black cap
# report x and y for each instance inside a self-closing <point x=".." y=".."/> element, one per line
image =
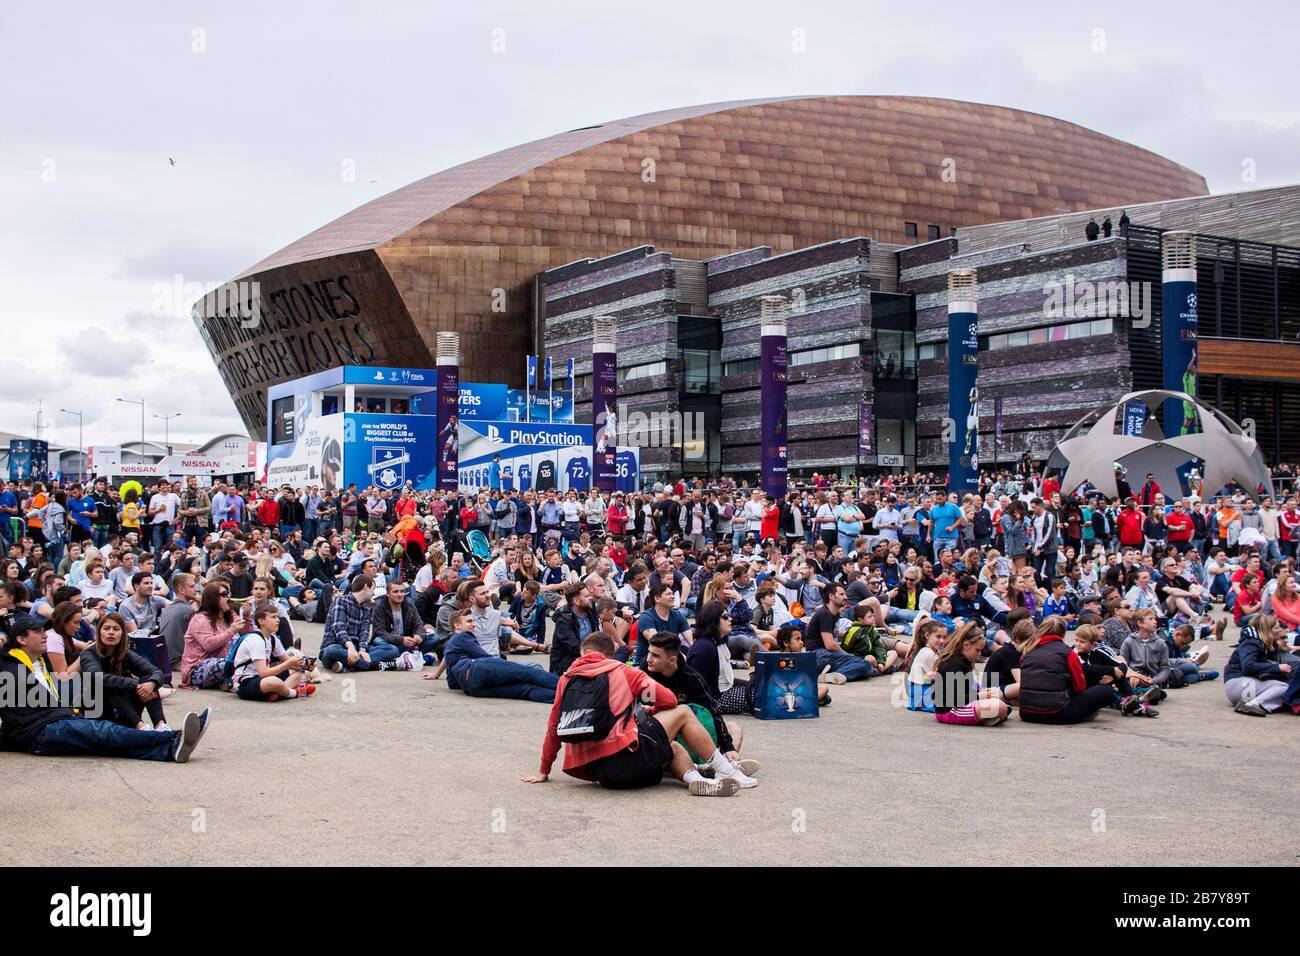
<point x="23" y="623"/>
<point x="239" y="557"/>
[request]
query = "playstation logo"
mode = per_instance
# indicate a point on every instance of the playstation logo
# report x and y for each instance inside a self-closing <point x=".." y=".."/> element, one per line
<point x="494" y="435"/>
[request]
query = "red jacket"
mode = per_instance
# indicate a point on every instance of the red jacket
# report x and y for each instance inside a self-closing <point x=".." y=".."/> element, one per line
<point x="268" y="512"/>
<point x="625" y="684"/>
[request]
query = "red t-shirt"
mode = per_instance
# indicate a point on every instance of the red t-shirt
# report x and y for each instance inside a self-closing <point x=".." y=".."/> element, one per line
<point x="1180" y="525"/>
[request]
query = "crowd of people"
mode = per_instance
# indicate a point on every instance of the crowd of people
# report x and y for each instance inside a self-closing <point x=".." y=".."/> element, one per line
<point x="1021" y="598"/>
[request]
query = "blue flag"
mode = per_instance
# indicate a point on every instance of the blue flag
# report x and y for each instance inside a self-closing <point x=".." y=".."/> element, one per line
<point x="532" y="371"/>
<point x="570" y="374"/>
<point x="548" y="372"/>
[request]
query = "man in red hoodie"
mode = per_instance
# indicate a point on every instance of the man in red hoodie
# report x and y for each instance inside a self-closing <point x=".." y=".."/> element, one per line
<point x="1129" y="522"/>
<point x="639" y="749"/>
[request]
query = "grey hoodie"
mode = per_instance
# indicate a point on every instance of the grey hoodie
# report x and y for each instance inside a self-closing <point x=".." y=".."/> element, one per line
<point x="1149" y="657"/>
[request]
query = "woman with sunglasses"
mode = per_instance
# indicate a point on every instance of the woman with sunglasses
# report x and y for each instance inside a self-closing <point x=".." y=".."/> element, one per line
<point x="208" y="636"/>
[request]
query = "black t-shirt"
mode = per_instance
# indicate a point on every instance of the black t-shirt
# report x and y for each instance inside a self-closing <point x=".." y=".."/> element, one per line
<point x="1163" y="584"/>
<point x="858" y="591"/>
<point x="823" y="622"/>
<point x="1000" y="664"/>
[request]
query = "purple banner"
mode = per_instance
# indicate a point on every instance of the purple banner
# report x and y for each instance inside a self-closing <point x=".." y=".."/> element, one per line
<point x="997" y="425"/>
<point x="866" y="430"/>
<point x="772" y="440"/>
<point x="448" y="421"/>
<point x="604" y="418"/>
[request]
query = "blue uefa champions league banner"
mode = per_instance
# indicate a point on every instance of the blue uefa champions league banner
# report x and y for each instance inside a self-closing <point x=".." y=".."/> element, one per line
<point x="604" y="417"/>
<point x="1178" y="348"/>
<point x="20" y="459"/>
<point x="486" y="402"/>
<point x="963" y="402"/>
<point x="1135" y="418"/>
<point x="388" y="451"/>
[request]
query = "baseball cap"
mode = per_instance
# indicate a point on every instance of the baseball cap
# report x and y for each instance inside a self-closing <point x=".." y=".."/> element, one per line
<point x="26" y="622"/>
<point x="239" y="557"/>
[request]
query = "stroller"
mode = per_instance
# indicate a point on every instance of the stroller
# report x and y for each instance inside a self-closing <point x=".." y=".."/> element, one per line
<point x="480" y="550"/>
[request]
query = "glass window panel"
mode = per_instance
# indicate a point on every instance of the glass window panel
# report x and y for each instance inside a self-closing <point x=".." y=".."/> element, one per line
<point x="1017" y="339"/>
<point x="1037" y="336"/>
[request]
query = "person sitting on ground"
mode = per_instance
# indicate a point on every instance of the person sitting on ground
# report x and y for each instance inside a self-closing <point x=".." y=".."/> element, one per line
<point x="345" y="645"/>
<point x="835" y="664"/>
<point x="789" y="640"/>
<point x="175" y="618"/>
<point x="1249" y="599"/>
<point x="34" y="719"/>
<point x="1053" y="688"/>
<point x="63" y="640"/>
<point x="207" y="638"/>
<point x="668" y="666"/>
<point x="261" y="659"/>
<point x="928" y="638"/>
<point x="398" y="633"/>
<point x="480" y="672"/>
<point x="1102" y="666"/>
<point x="640" y="745"/>
<point x="1002" y="669"/>
<point x="529" y="611"/>
<point x="1179" y="642"/>
<point x="710" y="657"/>
<point x="131" y="683"/>
<point x="865" y="640"/>
<point x="573" y="623"/>
<point x="957" y="697"/>
<point x="1146" y="653"/>
<point x="660" y="617"/>
<point x="1257" y="681"/>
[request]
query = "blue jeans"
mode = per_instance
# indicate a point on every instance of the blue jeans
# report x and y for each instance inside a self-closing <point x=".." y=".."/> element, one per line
<point x="853" y="668"/>
<point x="941" y="543"/>
<point x="845" y="541"/>
<point x="427" y="646"/>
<point x="77" y="735"/>
<point x="337" y="653"/>
<point x="99" y="535"/>
<point x="1192" y="673"/>
<point x="493" y="677"/>
<point x="286" y="530"/>
<point x="310" y="528"/>
<point x="159" y="535"/>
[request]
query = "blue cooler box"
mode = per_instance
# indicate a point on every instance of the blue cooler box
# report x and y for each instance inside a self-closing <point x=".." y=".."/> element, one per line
<point x="785" y="686"/>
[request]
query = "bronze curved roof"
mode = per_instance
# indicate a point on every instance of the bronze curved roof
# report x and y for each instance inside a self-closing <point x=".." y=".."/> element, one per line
<point x="386" y="218"/>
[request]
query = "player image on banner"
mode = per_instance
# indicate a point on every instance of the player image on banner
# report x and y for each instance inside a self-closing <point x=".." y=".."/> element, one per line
<point x="606" y="430"/>
<point x="972" y="446"/>
<point x="1190" y="421"/>
<point x="451" y="435"/>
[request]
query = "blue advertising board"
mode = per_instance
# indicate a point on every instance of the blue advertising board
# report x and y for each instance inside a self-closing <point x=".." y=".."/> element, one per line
<point x="387" y="451"/>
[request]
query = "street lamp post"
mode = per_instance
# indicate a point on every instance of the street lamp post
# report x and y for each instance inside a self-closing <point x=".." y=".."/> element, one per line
<point x="166" y="429"/>
<point x="140" y="402"/>
<point x="81" y="448"/>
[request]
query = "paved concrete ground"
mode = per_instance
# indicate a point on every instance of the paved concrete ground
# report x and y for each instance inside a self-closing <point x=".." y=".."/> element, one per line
<point x="408" y="771"/>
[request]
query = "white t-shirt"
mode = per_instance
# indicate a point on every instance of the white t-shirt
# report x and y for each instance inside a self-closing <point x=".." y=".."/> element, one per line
<point x="171" y="504"/>
<point x="104" y="589"/>
<point x="572" y="510"/>
<point x="498" y="573"/>
<point x="251" y="650"/>
<point x="922" y="666"/>
<point x="423" y="578"/>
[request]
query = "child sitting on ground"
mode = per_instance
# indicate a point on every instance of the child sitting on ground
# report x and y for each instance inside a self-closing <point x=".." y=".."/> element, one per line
<point x="1179" y="643"/>
<point x="261" y="659"/>
<point x="864" y="640"/>
<point x="1102" y="665"/>
<point x="929" y="638"/>
<point x="958" y="699"/>
<point x="1058" y="603"/>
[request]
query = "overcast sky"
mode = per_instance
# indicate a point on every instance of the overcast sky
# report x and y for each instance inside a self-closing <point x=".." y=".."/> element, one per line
<point x="261" y="103"/>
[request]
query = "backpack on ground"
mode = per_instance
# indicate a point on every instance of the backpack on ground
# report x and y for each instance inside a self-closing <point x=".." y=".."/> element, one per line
<point x="584" y="710"/>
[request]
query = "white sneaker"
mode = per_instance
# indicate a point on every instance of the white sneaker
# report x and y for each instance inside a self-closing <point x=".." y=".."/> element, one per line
<point x="746" y="782"/>
<point x="165" y="691"/>
<point x="748" y="767"/>
<point x="1201" y="656"/>
<point x="725" y="787"/>
<point x="163" y="729"/>
<point x="828" y="676"/>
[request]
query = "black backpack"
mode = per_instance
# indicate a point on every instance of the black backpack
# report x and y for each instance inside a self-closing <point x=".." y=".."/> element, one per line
<point x="584" y="710"/>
